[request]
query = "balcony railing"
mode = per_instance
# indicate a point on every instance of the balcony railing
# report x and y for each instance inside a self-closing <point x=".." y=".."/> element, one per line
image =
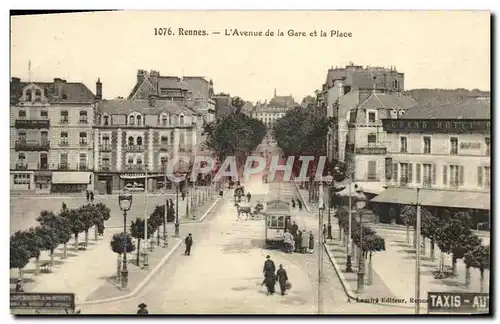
<point x="32" y="145"/>
<point x="63" y="166"/>
<point x="105" y="167"/>
<point x="83" y="167"/>
<point x="64" y="143"/>
<point x="42" y="166"/>
<point x="134" y="148"/>
<point x="83" y="144"/>
<point x="32" y="123"/>
<point x="72" y="167"/>
<point x="64" y="121"/>
<point x="21" y="166"/>
<point x="83" y="121"/>
<point x="371" y="150"/>
<point x="135" y="167"/>
<point x="165" y="147"/>
<point x="105" y="148"/>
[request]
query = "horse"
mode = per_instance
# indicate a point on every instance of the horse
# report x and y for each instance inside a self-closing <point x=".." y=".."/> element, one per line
<point x="243" y="210"/>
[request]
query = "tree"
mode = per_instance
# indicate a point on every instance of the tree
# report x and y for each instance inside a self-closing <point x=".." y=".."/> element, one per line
<point x="121" y="243"/>
<point x="342" y="215"/>
<point x="104" y="214"/>
<point x="238" y="104"/>
<point x="137" y="231"/>
<point x="372" y="243"/>
<point x="89" y="215"/>
<point x="452" y="233"/>
<point x="409" y="214"/>
<point x="76" y="221"/>
<point x="157" y="219"/>
<point x="19" y="252"/>
<point x="462" y="246"/>
<point x="35" y="245"/>
<point x="50" y="241"/>
<point x="430" y="223"/>
<point x="60" y="225"/>
<point x="478" y="258"/>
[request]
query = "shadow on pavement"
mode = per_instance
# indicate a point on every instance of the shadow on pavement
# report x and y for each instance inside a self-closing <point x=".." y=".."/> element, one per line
<point x="60" y="255"/>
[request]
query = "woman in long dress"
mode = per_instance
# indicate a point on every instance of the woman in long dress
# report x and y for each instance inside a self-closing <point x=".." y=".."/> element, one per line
<point x="305" y="242"/>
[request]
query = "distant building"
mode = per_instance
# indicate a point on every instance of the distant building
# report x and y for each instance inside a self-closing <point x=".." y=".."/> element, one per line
<point x="131" y="136"/>
<point x="445" y="149"/>
<point x="51" y="135"/>
<point x="277" y="107"/>
<point x="223" y="104"/>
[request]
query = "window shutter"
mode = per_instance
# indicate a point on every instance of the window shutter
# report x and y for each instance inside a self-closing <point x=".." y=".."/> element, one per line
<point x="445" y="175"/>
<point x="419" y="166"/>
<point x="479" y="176"/>
<point x="461" y="175"/>
<point x="410" y="172"/>
<point x="433" y="174"/>
<point x="395" y="169"/>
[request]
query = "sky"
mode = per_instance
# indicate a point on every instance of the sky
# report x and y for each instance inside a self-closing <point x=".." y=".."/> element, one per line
<point x="435" y="49"/>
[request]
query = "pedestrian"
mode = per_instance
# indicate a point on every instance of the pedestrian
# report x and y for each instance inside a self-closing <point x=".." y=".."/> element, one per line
<point x="304" y="242"/>
<point x="299" y="202"/>
<point x="249" y="196"/>
<point x="298" y="240"/>
<point x="171" y="203"/>
<point x="64" y="206"/>
<point x="282" y="278"/>
<point x="88" y="195"/>
<point x="288" y="239"/>
<point x="311" y="242"/>
<point x="189" y="243"/>
<point x="183" y="195"/>
<point x="269" y="275"/>
<point x="325" y="233"/>
<point x="293" y="203"/>
<point x="294" y="229"/>
<point x="100" y="229"/>
<point x="91" y="196"/>
<point x="19" y="285"/>
<point x="143" y="309"/>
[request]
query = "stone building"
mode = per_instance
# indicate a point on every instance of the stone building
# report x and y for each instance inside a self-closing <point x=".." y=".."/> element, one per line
<point x="277" y="107"/>
<point x="51" y="135"/>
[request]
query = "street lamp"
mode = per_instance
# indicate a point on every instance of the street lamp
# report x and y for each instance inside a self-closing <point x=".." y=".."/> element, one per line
<point x="417" y="258"/>
<point x="165" y="214"/>
<point x="146" y="245"/>
<point x="320" y="248"/>
<point x="360" y="205"/>
<point x="125" y="203"/>
<point x="177" y="205"/>
<point x="329" y="179"/>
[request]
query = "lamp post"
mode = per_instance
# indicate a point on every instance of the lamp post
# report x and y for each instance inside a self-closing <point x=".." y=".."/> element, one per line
<point x="417" y="259"/>
<point x="348" y="265"/>
<point x="165" y="214"/>
<point x="125" y="202"/>
<point x="177" y="207"/>
<point x="320" y="248"/>
<point x="360" y="205"/>
<point x="329" y="179"/>
<point x="146" y="245"/>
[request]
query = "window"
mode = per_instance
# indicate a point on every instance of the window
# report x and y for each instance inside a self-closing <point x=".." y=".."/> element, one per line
<point x="371" y="116"/>
<point x="83" y="138"/>
<point x="21" y="157"/>
<point x="105" y="119"/>
<point x="64" y="138"/>
<point x="139" y="120"/>
<point x="83" y="117"/>
<point x="131" y="120"/>
<point x="164" y="140"/>
<point x="372" y="170"/>
<point x="453" y="145"/>
<point x="130" y="160"/>
<point x="487" y="177"/>
<point x="21" y="136"/>
<point x="487" y="144"/>
<point x="164" y="120"/>
<point x="163" y="161"/>
<point x="29" y="95"/>
<point x="22" y="114"/>
<point x="105" y="162"/>
<point x="139" y="141"/>
<point x="83" y="161"/>
<point x="181" y="120"/>
<point x="281" y="222"/>
<point x="181" y="139"/>
<point x="63" y="161"/>
<point x="456" y="175"/>
<point x="427" y="145"/>
<point x="172" y="135"/>
<point x="403" y="145"/>
<point x="139" y="161"/>
<point x="105" y="139"/>
<point x="64" y="117"/>
<point x="406" y="173"/>
<point x="44" y="114"/>
<point x="44" y="136"/>
<point x="23" y="178"/>
<point x="483" y="177"/>
<point x="372" y="139"/>
<point x="427" y="175"/>
<point x="130" y="141"/>
<point x="418" y="172"/>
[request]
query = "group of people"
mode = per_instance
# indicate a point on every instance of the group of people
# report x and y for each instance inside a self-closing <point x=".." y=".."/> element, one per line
<point x="271" y="276"/>
<point x="90" y="195"/>
<point x="298" y="241"/>
<point x="298" y="202"/>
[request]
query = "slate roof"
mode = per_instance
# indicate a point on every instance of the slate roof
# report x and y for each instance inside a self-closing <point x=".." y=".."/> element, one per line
<point x="283" y="101"/>
<point x="465" y="109"/>
<point x="197" y="86"/>
<point x="123" y="107"/>
<point x="387" y="101"/>
<point x="73" y="92"/>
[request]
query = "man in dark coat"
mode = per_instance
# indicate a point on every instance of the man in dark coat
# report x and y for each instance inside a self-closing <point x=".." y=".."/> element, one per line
<point x="294" y="229"/>
<point x="88" y="195"/>
<point x="269" y="275"/>
<point x="183" y="196"/>
<point x="143" y="309"/>
<point x="298" y="241"/>
<point x="282" y="279"/>
<point x="188" y="242"/>
<point x="91" y="196"/>
<point x="299" y="202"/>
<point x="249" y="196"/>
<point x="293" y="203"/>
<point x="171" y="203"/>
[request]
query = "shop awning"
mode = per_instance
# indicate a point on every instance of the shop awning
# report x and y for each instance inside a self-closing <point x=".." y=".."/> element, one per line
<point x="435" y="198"/>
<point x="71" y="177"/>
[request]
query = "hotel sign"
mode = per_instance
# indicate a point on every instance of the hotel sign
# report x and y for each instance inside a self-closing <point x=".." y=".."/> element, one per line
<point x="470" y="145"/>
<point x="436" y="126"/>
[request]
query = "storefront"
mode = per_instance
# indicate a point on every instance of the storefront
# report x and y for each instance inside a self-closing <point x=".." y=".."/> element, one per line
<point x="43" y="181"/>
<point x="22" y="180"/>
<point x="71" y="182"/>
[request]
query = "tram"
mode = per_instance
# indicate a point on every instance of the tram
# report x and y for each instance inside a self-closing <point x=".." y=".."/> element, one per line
<point x="277" y="219"/>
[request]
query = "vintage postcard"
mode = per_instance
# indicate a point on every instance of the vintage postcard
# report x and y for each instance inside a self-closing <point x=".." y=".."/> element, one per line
<point x="250" y="162"/>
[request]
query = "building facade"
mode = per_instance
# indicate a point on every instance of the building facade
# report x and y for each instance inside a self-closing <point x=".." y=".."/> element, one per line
<point x="444" y="149"/>
<point x="51" y="136"/>
<point x="132" y="136"/>
<point x="277" y="107"/>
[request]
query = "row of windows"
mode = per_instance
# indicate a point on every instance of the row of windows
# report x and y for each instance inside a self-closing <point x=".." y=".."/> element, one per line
<point x="106" y="161"/>
<point x="427" y="147"/>
<point x="44" y="114"/>
<point x="23" y="178"/>
<point x="137" y="119"/>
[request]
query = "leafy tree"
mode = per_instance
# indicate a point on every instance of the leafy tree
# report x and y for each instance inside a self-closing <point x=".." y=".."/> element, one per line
<point x="89" y="215"/>
<point x="137" y="231"/>
<point x="430" y="223"/>
<point x="76" y="221"/>
<point x="120" y="243"/>
<point x="372" y="243"/>
<point x="451" y="233"/>
<point x="35" y="245"/>
<point x="462" y="246"/>
<point x="157" y="219"/>
<point x="50" y="241"/>
<point x="60" y="225"/>
<point x="409" y="214"/>
<point x="478" y="258"/>
<point x="238" y="104"/>
<point x="19" y="252"/>
<point x="104" y="214"/>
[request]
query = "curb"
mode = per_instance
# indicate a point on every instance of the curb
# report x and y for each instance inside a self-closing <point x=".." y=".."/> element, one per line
<point x="403" y="228"/>
<point x="151" y="274"/>
<point x="347" y="289"/>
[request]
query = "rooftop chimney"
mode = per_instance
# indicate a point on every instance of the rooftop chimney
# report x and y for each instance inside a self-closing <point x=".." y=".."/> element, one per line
<point x="98" y="89"/>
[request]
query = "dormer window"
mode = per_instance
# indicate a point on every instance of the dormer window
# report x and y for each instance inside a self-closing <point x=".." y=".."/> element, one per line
<point x="22" y="114"/>
<point x="28" y="95"/>
<point x="38" y="95"/>
<point x="139" y="120"/>
<point x="131" y="120"/>
<point x="181" y="120"/>
<point x="44" y="114"/>
<point x="64" y="96"/>
<point x="130" y="141"/>
<point x="105" y="120"/>
<point x="164" y="120"/>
